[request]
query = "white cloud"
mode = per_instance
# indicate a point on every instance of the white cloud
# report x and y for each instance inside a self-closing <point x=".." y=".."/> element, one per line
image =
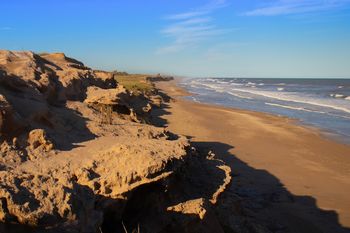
<point x="200" y="11"/>
<point x="284" y="7"/>
<point x="189" y="28"/>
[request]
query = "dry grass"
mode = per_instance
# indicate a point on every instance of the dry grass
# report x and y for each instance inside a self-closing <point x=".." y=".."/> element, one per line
<point x="43" y="54"/>
<point x="125" y="230"/>
<point x="134" y="231"/>
<point x="136" y="83"/>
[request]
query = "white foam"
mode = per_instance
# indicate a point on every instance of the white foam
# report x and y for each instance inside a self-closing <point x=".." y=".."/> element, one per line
<point x="239" y="96"/>
<point x="236" y="84"/>
<point x="294" y="98"/>
<point x="338" y="96"/>
<point x="280" y="89"/>
<point x="294" y="108"/>
<point x="210" y="80"/>
<point x="289" y="97"/>
<point x="213" y="87"/>
<point x="306" y="110"/>
<point x="195" y="100"/>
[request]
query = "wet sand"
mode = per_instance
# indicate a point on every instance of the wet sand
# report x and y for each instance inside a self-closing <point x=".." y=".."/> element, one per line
<point x="266" y="151"/>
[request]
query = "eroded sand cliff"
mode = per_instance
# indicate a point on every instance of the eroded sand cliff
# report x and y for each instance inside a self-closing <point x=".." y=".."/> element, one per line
<point x="78" y="154"/>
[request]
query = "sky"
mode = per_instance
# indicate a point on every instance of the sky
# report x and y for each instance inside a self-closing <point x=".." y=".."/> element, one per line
<point x="197" y="38"/>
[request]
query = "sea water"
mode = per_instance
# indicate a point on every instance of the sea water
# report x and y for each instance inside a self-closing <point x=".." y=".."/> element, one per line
<point x="323" y="103"/>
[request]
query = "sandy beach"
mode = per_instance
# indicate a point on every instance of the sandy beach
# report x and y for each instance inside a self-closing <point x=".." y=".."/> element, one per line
<point x="267" y="153"/>
<point x="85" y="150"/>
<point x="211" y="116"/>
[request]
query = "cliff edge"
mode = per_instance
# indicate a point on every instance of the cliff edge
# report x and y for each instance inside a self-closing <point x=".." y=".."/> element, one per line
<point x="78" y="154"/>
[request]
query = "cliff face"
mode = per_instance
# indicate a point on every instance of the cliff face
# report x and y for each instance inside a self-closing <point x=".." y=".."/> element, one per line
<point x="75" y="156"/>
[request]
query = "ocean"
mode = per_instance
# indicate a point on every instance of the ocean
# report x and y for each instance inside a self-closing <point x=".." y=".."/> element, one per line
<point x="321" y="103"/>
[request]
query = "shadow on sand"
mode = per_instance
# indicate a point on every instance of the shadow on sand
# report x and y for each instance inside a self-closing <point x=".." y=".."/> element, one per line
<point x="255" y="201"/>
<point x="35" y="108"/>
<point x="158" y="113"/>
<point x="261" y="196"/>
<point x="265" y="200"/>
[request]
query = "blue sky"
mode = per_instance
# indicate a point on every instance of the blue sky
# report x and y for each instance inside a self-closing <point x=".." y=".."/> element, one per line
<point x="269" y="38"/>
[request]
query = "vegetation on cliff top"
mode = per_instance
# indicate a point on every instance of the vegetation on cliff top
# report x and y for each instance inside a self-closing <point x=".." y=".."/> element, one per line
<point x="137" y="83"/>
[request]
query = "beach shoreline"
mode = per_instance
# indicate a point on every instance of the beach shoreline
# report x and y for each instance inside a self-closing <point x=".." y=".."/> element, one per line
<point x="301" y="158"/>
<point x="327" y="134"/>
<point x="310" y="104"/>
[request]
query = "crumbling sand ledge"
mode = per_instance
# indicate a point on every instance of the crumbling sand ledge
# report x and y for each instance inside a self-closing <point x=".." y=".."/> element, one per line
<point x="75" y="156"/>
